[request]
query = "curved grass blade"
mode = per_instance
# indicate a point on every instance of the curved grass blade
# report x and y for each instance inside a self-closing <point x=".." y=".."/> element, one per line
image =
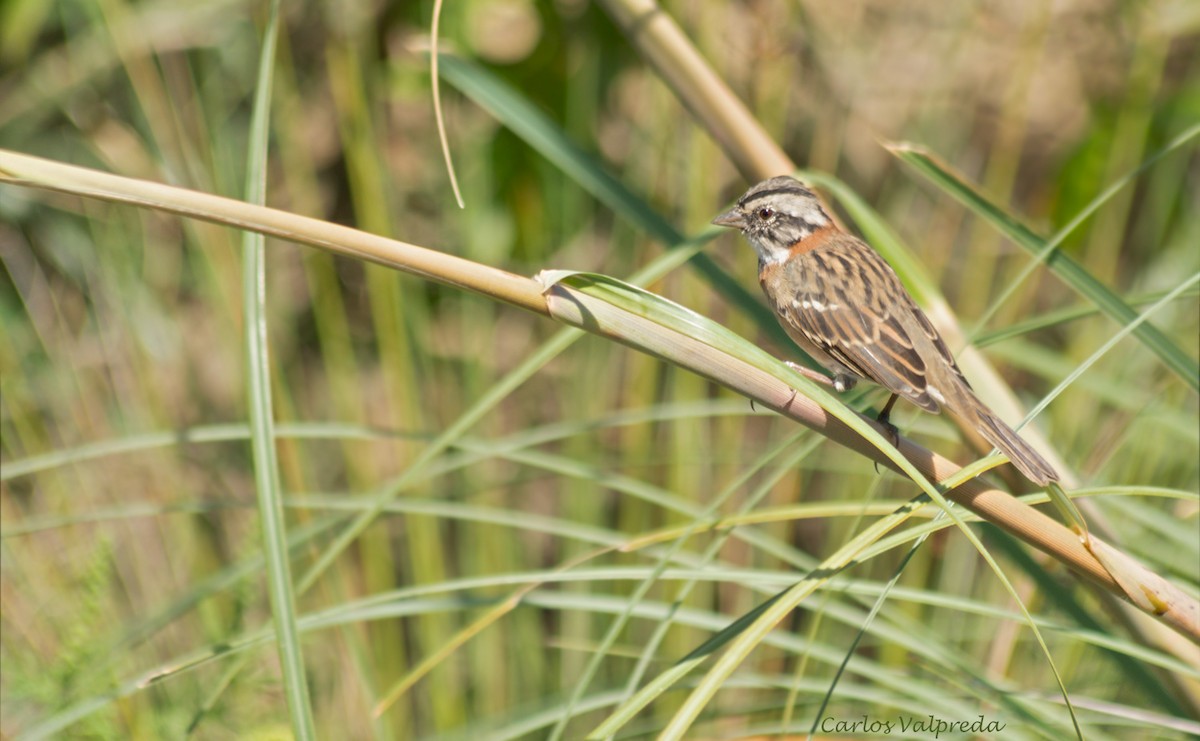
<point x="258" y="383"/>
<point x="1070" y="271"/>
<point x="743" y="643"/>
<point x="1064" y="316"/>
<point x="543" y="135"/>
<point x="754" y="624"/>
<point x="1083" y="215"/>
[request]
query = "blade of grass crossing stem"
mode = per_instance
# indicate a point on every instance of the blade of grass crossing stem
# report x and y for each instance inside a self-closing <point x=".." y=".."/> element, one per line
<point x="1063" y="316"/>
<point x="258" y="383"/>
<point x="1071" y="272"/>
<point x="682" y="320"/>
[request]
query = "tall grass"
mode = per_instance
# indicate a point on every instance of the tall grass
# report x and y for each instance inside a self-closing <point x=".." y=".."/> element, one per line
<point x="499" y="528"/>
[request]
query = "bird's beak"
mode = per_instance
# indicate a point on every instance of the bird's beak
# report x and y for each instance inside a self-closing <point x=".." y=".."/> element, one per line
<point x="732" y="218"/>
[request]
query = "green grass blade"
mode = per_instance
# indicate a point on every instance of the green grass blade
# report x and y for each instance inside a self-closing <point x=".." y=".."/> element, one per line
<point x="537" y="130"/>
<point x="1070" y="271"/>
<point x="262" y="433"/>
<point x="1140" y="320"/>
<point x="1063" y="316"/>
<point x="744" y="633"/>
<point x="547" y="138"/>
<point x="1083" y="215"/>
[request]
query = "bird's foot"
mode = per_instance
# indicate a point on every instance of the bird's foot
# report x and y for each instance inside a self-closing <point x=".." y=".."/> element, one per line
<point x="884" y="418"/>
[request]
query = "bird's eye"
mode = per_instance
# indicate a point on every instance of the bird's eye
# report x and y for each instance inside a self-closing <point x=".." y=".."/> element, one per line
<point x="765" y="213"/>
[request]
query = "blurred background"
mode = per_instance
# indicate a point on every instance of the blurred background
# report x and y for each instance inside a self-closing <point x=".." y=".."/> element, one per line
<point x="130" y="534"/>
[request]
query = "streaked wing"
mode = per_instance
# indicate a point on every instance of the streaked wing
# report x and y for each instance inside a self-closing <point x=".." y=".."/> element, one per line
<point x="932" y="334"/>
<point x="853" y="307"/>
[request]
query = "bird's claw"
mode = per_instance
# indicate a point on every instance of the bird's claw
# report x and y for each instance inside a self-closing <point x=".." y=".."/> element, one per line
<point x="884" y="419"/>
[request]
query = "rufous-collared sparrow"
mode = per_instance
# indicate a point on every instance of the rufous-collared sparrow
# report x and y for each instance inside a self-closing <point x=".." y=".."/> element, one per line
<point x="843" y="304"/>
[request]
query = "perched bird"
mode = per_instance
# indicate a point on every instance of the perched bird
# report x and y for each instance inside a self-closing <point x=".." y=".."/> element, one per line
<point x="843" y="304"/>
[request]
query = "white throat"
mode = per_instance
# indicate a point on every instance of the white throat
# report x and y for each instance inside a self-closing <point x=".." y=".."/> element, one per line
<point x="768" y="253"/>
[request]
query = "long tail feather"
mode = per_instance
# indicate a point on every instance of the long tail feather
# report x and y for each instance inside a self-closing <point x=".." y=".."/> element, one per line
<point x="1025" y="458"/>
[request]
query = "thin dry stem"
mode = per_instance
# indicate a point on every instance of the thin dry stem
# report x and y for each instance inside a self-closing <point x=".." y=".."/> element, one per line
<point x="437" y="101"/>
<point x="1170" y="604"/>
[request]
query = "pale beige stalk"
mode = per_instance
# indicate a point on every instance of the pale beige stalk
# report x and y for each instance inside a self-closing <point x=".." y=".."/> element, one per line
<point x="1171" y="605"/>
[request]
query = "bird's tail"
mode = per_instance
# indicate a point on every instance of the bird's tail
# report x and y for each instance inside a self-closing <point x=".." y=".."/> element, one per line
<point x="1025" y="458"/>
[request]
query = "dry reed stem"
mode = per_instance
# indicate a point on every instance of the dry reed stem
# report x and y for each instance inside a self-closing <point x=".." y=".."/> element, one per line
<point x="1169" y="604"/>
